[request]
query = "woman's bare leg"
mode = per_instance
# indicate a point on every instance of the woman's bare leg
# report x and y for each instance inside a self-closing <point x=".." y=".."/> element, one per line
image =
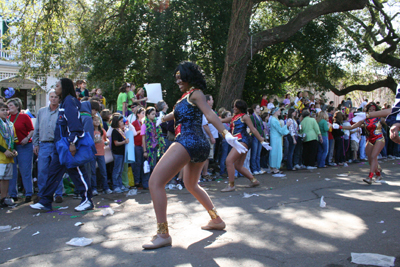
<point x="4" y="188"/>
<point x="191" y="176"/>
<point x="239" y="164"/>
<point x="376" y="149"/>
<point x="173" y="160"/>
<point x="231" y="160"/>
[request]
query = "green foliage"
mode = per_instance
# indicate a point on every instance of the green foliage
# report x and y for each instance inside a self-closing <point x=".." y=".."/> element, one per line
<point x="299" y="62"/>
<point x="135" y="42"/>
<point x="43" y="35"/>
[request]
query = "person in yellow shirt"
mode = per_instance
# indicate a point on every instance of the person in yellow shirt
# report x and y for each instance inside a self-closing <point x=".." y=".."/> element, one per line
<point x="7" y="153"/>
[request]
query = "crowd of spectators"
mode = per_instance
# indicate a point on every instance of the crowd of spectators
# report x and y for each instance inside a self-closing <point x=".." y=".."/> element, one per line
<point x="299" y="130"/>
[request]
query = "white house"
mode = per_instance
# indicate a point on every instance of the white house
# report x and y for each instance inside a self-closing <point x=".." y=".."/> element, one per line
<point x="33" y="95"/>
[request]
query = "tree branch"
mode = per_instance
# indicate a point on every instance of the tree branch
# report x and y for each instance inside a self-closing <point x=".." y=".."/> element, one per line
<point x="284" y="32"/>
<point x="292" y="3"/>
<point x="389" y="82"/>
<point x="288" y="78"/>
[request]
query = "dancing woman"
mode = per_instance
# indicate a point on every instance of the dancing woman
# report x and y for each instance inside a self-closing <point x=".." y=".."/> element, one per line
<point x="393" y="118"/>
<point x="235" y="159"/>
<point x="375" y="141"/>
<point x="189" y="151"/>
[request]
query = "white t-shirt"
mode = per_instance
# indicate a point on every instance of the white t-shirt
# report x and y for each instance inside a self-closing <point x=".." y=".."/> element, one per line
<point x="363" y="104"/>
<point x="346" y="132"/>
<point x="355" y="134"/>
<point x="213" y="130"/>
<point x="131" y="118"/>
<point x="270" y="106"/>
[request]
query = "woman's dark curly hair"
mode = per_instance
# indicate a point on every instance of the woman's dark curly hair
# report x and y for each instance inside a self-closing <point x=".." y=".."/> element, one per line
<point x="241" y="105"/>
<point x="192" y="74"/>
<point x="370" y="104"/>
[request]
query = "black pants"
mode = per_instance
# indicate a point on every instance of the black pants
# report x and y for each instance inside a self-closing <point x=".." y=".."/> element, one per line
<point x="310" y="150"/>
<point x="339" y="150"/>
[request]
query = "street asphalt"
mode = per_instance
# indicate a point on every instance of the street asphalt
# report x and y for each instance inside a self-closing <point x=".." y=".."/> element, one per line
<point x="281" y="225"/>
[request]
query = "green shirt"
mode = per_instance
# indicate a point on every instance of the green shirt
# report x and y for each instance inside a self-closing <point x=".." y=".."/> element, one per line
<point x="122" y="97"/>
<point x="310" y="127"/>
<point x="323" y="126"/>
<point x="130" y="96"/>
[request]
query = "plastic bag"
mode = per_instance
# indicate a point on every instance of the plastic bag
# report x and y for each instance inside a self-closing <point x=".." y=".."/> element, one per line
<point x="107" y="211"/>
<point x="5" y="228"/>
<point x="146" y="167"/>
<point x="322" y="203"/>
<point x="132" y="192"/>
<point x="68" y="184"/>
<point x="79" y="242"/>
<point x="372" y="259"/>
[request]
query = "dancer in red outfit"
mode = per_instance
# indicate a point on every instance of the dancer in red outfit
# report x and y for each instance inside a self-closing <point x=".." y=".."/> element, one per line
<point x="375" y="141"/>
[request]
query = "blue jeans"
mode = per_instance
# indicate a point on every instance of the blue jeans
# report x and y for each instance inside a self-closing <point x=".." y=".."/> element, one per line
<point x="323" y="151"/>
<point x="101" y="164"/>
<point x="25" y="157"/>
<point x="225" y="149"/>
<point x="362" y="147"/>
<point x="117" y="171"/>
<point x="290" y="153"/>
<point x="329" y="156"/>
<point x="44" y="159"/>
<point x="255" y="155"/>
<point x="137" y="167"/>
<point x="167" y="143"/>
<point x="285" y="146"/>
<point x="298" y="152"/>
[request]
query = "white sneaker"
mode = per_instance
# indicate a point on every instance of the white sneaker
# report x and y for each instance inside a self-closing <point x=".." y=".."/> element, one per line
<point x="332" y="164"/>
<point x="345" y="165"/>
<point x="256" y="173"/>
<point x="108" y="191"/>
<point x="397" y="157"/>
<point x="297" y="166"/>
<point x="86" y="205"/>
<point x="124" y="189"/>
<point x="391" y="157"/>
<point x="380" y="157"/>
<point x="303" y="167"/>
<point x="349" y="161"/>
<point x="311" y="168"/>
<point x="95" y="193"/>
<point x="117" y="190"/>
<point x="261" y="172"/>
<point x="39" y="206"/>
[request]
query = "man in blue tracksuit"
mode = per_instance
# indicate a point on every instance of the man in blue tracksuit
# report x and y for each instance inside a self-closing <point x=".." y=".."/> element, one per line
<point x="69" y="125"/>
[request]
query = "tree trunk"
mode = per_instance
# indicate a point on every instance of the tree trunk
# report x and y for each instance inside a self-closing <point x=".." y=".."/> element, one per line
<point x="237" y="54"/>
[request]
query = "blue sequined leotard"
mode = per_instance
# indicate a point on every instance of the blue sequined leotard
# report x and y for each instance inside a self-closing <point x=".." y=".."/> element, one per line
<point x="239" y="129"/>
<point x="188" y="128"/>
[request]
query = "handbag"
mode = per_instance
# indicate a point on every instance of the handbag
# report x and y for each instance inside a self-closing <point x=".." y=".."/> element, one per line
<point x="85" y="151"/>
